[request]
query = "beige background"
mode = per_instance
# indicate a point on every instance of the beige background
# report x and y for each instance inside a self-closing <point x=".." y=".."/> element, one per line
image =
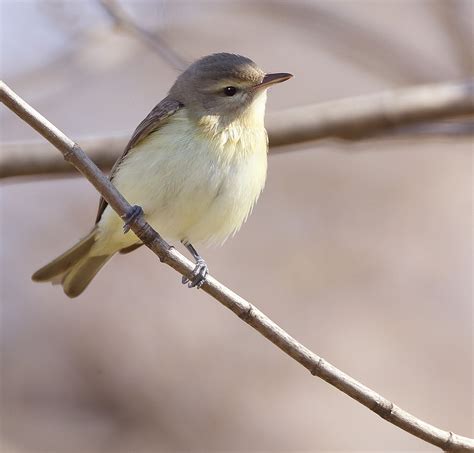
<point x="361" y="251"/>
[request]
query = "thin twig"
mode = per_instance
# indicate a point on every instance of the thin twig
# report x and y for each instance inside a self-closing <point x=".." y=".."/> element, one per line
<point x="404" y="113"/>
<point x="456" y="19"/>
<point x="358" y="42"/>
<point x="151" y="39"/>
<point x="448" y="441"/>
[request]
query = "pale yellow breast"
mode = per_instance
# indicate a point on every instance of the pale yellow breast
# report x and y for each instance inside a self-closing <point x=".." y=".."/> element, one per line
<point x="192" y="185"/>
<point x="240" y="168"/>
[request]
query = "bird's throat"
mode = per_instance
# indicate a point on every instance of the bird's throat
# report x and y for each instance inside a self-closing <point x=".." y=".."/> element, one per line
<point x="235" y="127"/>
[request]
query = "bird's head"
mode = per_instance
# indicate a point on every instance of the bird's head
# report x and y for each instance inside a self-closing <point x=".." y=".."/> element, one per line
<point x="224" y="86"/>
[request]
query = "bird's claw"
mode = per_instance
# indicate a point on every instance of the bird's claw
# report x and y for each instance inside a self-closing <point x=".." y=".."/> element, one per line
<point x="134" y="212"/>
<point x="198" y="275"/>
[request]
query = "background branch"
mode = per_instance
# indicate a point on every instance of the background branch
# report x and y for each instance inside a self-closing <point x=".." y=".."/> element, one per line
<point x="406" y="112"/>
<point x="453" y="16"/>
<point x="362" y="117"/>
<point x="151" y="39"/>
<point x="448" y="441"/>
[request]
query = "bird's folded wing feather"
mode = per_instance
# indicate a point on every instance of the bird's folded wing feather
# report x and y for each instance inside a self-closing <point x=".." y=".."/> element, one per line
<point x="155" y="119"/>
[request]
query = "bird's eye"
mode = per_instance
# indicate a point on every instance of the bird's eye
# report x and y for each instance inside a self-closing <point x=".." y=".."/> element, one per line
<point x="230" y="91"/>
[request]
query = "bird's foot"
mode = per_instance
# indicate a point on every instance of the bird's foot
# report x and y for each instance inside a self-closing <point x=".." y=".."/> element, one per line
<point x="198" y="276"/>
<point x="133" y="213"/>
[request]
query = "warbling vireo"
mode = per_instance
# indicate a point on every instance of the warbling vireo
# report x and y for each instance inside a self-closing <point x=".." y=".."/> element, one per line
<point x="196" y="165"/>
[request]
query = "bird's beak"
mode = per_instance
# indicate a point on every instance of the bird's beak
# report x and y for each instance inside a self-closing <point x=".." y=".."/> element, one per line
<point x="271" y="79"/>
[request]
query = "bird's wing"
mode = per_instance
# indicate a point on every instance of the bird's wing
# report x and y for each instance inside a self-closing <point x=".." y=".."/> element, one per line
<point x="155" y="119"/>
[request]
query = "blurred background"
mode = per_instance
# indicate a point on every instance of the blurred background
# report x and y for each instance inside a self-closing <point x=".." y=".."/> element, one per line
<point x="362" y="251"/>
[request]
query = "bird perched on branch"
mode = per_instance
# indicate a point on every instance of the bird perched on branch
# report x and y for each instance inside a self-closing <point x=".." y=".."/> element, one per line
<point x="194" y="167"/>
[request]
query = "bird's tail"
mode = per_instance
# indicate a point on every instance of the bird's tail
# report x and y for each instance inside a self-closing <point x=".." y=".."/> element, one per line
<point x="75" y="268"/>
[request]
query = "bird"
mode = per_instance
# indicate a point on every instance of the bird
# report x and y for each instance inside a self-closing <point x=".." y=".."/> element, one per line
<point x="194" y="168"/>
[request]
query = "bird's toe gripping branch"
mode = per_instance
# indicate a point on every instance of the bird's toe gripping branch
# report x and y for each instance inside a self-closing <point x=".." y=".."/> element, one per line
<point x="134" y="212"/>
<point x="198" y="276"/>
<point x="200" y="271"/>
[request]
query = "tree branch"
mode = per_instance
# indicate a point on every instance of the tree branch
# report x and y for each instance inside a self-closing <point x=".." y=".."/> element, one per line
<point x="407" y="112"/>
<point x="167" y="254"/>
